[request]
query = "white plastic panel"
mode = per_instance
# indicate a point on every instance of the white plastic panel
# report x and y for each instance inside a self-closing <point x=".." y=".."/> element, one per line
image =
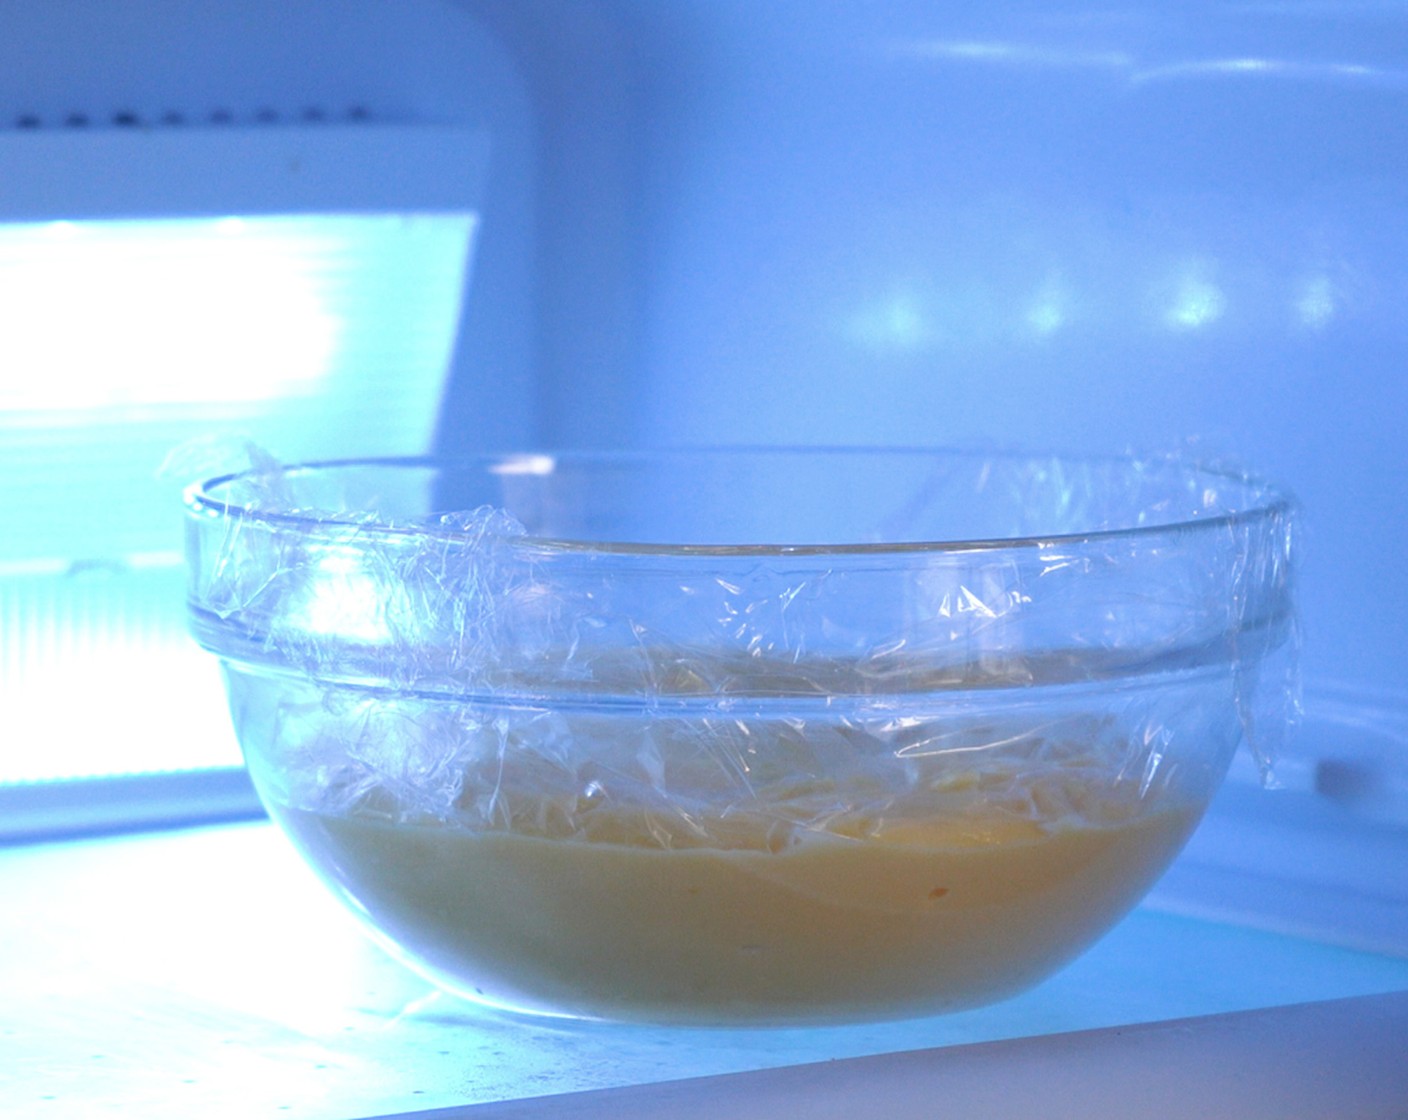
<point x="810" y="221"/>
<point x="208" y="972"/>
<point x="319" y="335"/>
<point x="166" y="108"/>
<point x="1167" y="227"/>
<point x="1338" y="1058"/>
<point x="209" y="229"/>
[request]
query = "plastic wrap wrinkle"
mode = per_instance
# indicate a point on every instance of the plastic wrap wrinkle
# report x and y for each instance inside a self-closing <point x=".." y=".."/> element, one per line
<point x="446" y="601"/>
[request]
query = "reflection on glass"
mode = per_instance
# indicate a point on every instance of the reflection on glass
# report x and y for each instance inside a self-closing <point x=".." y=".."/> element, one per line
<point x="342" y="597"/>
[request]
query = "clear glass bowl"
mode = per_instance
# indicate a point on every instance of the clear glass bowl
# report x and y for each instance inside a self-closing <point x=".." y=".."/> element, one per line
<point x="743" y="736"/>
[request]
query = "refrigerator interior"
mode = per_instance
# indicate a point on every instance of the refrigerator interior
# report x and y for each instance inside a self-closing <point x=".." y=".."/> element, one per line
<point x="630" y="223"/>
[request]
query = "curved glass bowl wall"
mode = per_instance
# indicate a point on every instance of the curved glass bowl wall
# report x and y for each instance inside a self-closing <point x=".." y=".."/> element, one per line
<point x="748" y="736"/>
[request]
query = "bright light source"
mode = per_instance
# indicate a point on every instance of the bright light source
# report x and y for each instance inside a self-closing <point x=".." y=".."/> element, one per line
<point x="317" y="335"/>
<point x="133" y="314"/>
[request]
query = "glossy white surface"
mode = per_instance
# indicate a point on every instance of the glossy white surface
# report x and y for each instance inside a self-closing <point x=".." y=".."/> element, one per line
<point x="820" y="222"/>
<point x="206" y="973"/>
<point x="1303" y="1062"/>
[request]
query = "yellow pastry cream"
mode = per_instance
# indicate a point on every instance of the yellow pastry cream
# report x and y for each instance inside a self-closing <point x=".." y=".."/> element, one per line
<point x="943" y="898"/>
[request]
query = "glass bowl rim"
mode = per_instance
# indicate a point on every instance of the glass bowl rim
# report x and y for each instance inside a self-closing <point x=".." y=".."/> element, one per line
<point x="1271" y="501"/>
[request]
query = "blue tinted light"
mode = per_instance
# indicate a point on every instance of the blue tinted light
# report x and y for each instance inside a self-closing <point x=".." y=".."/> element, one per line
<point x="124" y="314"/>
<point x="898" y="323"/>
<point x="1137" y="70"/>
<point x="314" y="335"/>
<point x="1328" y="72"/>
<point x="344" y="599"/>
<point x="1316" y="302"/>
<point x="1196" y="302"/>
<point x="1049" y="311"/>
<point x="1019" y="54"/>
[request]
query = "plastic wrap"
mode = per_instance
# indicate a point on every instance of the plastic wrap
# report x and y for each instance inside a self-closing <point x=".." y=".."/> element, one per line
<point x="750" y="652"/>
